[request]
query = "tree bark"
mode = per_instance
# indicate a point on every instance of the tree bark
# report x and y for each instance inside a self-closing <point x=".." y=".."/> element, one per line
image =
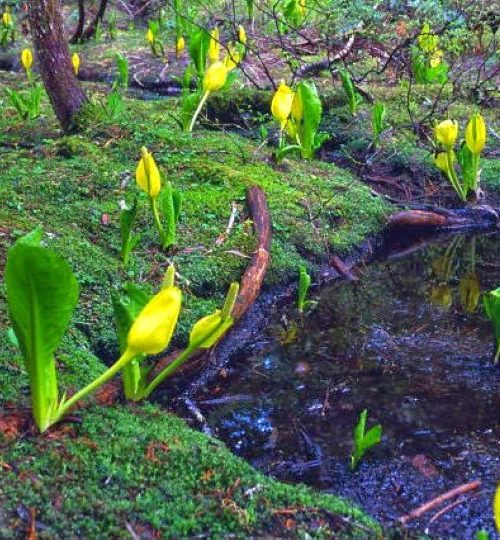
<point x="99" y="16"/>
<point x="54" y="63"/>
<point x="77" y="36"/>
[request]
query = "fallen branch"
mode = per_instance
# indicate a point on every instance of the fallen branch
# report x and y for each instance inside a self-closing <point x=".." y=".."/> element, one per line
<point x="470" y="217"/>
<point x="253" y="278"/>
<point x="430" y="505"/>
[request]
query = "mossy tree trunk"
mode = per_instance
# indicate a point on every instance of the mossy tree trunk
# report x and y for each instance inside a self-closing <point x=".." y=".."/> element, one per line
<point x="54" y="63"/>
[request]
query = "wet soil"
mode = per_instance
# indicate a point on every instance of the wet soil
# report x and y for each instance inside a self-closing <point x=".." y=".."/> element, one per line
<point x="400" y="342"/>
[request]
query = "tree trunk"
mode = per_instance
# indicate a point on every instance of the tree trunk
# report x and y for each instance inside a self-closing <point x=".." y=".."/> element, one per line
<point x="97" y="20"/>
<point x="77" y="36"/>
<point x="54" y="63"/>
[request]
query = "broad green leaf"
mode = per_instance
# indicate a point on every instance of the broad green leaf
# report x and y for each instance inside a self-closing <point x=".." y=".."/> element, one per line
<point x="312" y="111"/>
<point x="42" y="293"/>
<point x="199" y="42"/>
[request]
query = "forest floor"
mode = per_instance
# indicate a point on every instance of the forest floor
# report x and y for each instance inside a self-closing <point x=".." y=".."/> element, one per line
<point x="119" y="470"/>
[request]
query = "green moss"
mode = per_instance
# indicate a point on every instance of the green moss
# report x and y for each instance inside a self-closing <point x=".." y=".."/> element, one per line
<point x="140" y="468"/>
<point x="95" y="480"/>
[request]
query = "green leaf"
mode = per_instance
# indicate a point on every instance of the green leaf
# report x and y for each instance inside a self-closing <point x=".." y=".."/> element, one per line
<point x="309" y="124"/>
<point x="126" y="307"/>
<point x="199" y="42"/>
<point x="491" y="303"/>
<point x="42" y="293"/>
<point x="304" y="284"/>
<point x="364" y="441"/>
<point x="129" y="240"/>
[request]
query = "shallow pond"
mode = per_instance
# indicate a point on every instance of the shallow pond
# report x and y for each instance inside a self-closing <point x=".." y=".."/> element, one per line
<point x="403" y="343"/>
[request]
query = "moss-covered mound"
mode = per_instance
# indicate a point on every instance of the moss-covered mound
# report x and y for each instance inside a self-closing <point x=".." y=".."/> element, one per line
<point x="138" y="470"/>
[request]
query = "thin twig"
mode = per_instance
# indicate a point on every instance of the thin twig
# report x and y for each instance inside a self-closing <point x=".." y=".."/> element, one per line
<point x="430" y="505"/>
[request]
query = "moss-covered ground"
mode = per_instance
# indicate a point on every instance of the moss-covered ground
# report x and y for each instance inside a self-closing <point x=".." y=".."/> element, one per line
<point x="139" y="468"/>
<point x="125" y="471"/>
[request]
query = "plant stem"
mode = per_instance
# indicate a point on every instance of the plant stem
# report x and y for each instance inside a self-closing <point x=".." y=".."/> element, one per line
<point x="44" y="392"/>
<point x="170" y="369"/>
<point x="452" y="175"/>
<point x="156" y="216"/>
<point x="198" y="110"/>
<point x="65" y="406"/>
<point x="170" y="237"/>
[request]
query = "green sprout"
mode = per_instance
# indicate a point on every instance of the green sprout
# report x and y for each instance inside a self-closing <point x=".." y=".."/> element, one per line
<point x="364" y="440"/>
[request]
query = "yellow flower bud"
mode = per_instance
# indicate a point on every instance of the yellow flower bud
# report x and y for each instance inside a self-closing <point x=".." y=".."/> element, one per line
<point x="441" y="161"/>
<point x="180" y="45"/>
<point x="242" y="35"/>
<point x="150" y="37"/>
<point x="212" y="326"/>
<point x="147" y="174"/>
<point x="281" y="104"/>
<point x="232" y="59"/>
<point x="27" y="59"/>
<point x="215" y="77"/>
<point x="302" y="7"/>
<point x="152" y="331"/>
<point x="475" y="134"/>
<point x="447" y="132"/>
<point x="436" y="57"/>
<point x="470" y="291"/>
<point x="6" y="18"/>
<point x="75" y="61"/>
<point x="297" y="107"/>
<point x="214" y="47"/>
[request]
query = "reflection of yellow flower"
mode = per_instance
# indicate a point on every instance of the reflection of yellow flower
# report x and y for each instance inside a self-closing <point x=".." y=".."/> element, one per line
<point x="441" y="296"/>
<point x="447" y="132"/>
<point x="281" y="105"/>
<point x="496" y="508"/>
<point x="214" y="47"/>
<point x="475" y="134"/>
<point x="470" y="291"/>
<point x="27" y="59"/>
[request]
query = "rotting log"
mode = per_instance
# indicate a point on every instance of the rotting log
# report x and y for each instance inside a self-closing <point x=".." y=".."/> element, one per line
<point x="253" y="278"/>
<point x="473" y="217"/>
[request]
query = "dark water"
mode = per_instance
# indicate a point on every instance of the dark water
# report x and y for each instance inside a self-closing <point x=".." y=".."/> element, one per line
<point x="402" y="343"/>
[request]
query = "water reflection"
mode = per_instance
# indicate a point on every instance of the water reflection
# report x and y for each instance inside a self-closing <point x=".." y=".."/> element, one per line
<point x="409" y="341"/>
